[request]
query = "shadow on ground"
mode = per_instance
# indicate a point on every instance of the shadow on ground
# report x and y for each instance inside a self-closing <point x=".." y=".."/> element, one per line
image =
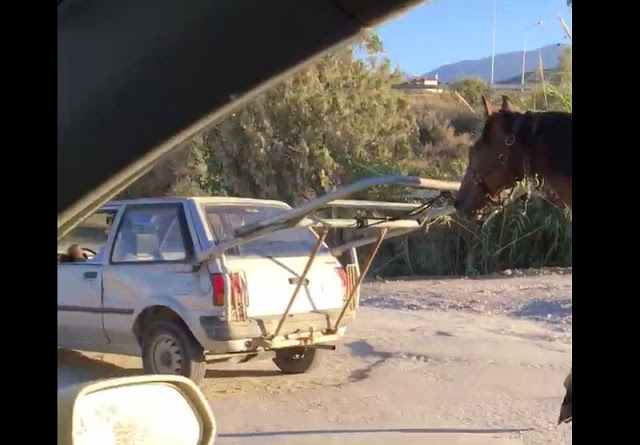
<point x="93" y="365"/>
<point x="551" y="311"/>
<point x="237" y="373"/>
<point x="74" y="367"/>
<point x="381" y="430"/>
<point x="363" y="349"/>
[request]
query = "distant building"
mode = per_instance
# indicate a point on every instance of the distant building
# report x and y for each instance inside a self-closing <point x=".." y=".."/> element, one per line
<point x="431" y="85"/>
<point x="424" y="81"/>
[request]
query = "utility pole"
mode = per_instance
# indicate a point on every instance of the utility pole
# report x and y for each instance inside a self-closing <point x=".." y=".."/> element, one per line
<point x="524" y="49"/>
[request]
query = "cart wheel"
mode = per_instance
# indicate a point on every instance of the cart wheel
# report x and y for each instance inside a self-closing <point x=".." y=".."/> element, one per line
<point x="297" y="360"/>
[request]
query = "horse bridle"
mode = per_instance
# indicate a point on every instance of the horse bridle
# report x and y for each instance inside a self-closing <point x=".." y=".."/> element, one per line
<point x="503" y="162"/>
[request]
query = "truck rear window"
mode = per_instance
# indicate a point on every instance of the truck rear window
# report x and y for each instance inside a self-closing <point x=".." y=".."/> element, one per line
<point x="223" y="220"/>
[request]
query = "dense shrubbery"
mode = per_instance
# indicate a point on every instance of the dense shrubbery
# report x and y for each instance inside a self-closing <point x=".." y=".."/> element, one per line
<point x="338" y="121"/>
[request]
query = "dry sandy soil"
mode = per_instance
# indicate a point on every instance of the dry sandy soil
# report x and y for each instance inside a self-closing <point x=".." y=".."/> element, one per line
<point x="481" y="359"/>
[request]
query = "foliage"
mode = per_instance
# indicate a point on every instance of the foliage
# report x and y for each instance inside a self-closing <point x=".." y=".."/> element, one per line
<point x="517" y="237"/>
<point x="182" y="173"/>
<point x="565" y="66"/>
<point x="471" y="89"/>
<point x="327" y="125"/>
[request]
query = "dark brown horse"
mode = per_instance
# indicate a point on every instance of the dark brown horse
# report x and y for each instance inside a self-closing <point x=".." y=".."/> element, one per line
<point x="514" y="145"/>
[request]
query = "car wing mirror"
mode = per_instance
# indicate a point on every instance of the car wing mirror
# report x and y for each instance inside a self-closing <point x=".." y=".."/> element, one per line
<point x="149" y="409"/>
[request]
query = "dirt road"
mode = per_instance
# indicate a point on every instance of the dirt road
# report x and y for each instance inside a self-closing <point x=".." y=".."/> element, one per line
<point x="483" y="359"/>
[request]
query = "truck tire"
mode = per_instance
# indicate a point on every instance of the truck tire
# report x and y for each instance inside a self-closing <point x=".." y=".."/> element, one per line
<point x="297" y="360"/>
<point x="169" y="348"/>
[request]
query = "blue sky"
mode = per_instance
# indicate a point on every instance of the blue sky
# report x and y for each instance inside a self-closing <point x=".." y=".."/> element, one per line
<point x="445" y="31"/>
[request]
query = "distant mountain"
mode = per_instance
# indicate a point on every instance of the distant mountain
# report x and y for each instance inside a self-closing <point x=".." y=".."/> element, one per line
<point x="507" y="65"/>
<point x="551" y="75"/>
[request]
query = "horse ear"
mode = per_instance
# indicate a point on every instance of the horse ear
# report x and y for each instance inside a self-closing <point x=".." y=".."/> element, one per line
<point x="506" y="104"/>
<point x="488" y="108"/>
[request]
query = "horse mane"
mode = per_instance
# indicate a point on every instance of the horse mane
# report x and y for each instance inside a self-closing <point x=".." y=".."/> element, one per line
<point x="548" y="134"/>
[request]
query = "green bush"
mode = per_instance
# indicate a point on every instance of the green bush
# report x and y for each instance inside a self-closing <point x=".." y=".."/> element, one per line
<point x="541" y="236"/>
<point x="471" y="89"/>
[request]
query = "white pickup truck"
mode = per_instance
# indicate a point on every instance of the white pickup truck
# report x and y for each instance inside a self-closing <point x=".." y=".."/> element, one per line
<point x="149" y="282"/>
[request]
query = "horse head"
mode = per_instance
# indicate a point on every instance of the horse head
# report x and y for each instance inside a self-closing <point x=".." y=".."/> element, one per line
<point x="496" y="160"/>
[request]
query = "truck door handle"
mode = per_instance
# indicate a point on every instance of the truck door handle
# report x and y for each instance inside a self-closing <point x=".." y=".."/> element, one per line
<point x="90" y="275"/>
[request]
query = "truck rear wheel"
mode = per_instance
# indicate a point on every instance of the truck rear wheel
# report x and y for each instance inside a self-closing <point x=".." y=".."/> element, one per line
<point x="296" y="360"/>
<point x="167" y="348"/>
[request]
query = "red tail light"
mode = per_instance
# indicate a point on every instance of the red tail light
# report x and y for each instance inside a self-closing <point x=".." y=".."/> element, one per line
<point x="237" y="289"/>
<point x="344" y="279"/>
<point x="217" y="282"/>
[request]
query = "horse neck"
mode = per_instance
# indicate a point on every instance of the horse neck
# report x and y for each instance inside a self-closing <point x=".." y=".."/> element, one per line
<point x="549" y="156"/>
<point x="560" y="184"/>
